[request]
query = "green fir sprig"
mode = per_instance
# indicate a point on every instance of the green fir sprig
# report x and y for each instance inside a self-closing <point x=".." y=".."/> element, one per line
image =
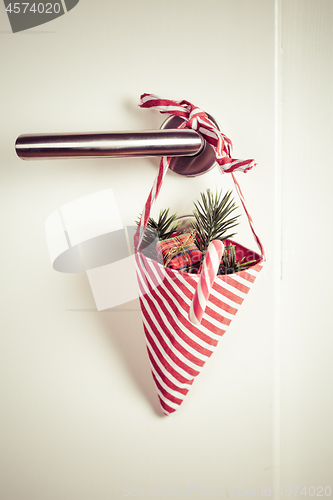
<point x="157" y="231"/>
<point x="212" y="218"/>
<point x="230" y="265"/>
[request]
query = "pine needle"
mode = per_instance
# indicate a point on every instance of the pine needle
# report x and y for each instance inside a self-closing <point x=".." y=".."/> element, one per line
<point x="157" y="231"/>
<point x="212" y="218"/>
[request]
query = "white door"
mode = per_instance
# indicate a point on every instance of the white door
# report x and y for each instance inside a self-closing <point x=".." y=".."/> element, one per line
<point x="80" y="415"/>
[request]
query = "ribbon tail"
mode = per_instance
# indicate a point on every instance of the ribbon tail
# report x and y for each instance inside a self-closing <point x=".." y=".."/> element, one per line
<point x="229" y="165"/>
<point x="164" y="105"/>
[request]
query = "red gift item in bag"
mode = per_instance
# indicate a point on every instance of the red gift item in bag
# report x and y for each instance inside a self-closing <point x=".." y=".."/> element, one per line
<point x="180" y="252"/>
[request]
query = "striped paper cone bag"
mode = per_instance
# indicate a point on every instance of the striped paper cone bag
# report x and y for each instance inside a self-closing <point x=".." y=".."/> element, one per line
<point x="177" y="348"/>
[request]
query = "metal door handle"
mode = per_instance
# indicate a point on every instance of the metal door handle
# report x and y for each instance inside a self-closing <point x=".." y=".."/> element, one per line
<point x="192" y="155"/>
<point x="172" y="142"/>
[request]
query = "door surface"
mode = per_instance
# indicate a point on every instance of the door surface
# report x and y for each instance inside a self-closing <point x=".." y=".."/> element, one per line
<point x="80" y="417"/>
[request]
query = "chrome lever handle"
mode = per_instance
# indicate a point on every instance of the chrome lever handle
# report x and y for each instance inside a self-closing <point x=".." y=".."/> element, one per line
<point x="192" y="155"/>
<point x="171" y="142"/>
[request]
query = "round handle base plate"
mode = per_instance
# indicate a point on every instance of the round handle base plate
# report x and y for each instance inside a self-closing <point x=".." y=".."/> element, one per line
<point x="191" y="166"/>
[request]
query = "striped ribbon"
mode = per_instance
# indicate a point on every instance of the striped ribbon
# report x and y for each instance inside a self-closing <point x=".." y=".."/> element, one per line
<point x="198" y="120"/>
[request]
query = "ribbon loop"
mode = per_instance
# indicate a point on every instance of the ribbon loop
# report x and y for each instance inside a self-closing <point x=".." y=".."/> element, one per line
<point x="196" y="119"/>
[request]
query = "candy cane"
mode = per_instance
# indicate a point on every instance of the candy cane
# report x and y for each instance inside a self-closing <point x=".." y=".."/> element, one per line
<point x="208" y="273"/>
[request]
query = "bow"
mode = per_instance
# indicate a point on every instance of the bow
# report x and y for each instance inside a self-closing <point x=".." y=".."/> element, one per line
<point x="180" y="248"/>
<point x="198" y="120"/>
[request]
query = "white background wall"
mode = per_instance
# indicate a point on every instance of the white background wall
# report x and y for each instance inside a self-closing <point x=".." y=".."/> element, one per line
<point x="79" y="414"/>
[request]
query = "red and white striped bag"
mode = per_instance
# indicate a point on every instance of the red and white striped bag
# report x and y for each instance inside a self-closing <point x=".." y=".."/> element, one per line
<point x="178" y="349"/>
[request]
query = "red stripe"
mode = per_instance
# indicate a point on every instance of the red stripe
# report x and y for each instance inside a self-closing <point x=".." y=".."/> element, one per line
<point x="174" y="278"/>
<point x="206" y="324"/>
<point x="174" y="325"/>
<point x="239" y="286"/>
<point x="184" y="322"/>
<point x="149" y="202"/>
<point x="167" y="394"/>
<point x="248" y="215"/>
<point x="210" y="312"/>
<point x="211" y="273"/>
<point x="167" y="408"/>
<point x="218" y="287"/>
<point x="218" y="317"/>
<point x="214" y="329"/>
<point x="148" y="268"/>
<point x="197" y="361"/>
<point x="222" y="305"/>
<point x="182" y="287"/>
<point x="176" y="328"/>
<point x="172" y="337"/>
<point x="164" y="377"/>
<point x="166" y="290"/>
<point x="204" y="280"/>
<point x="164" y="362"/>
<point x="247" y="276"/>
<point x="197" y="309"/>
<point x="168" y="350"/>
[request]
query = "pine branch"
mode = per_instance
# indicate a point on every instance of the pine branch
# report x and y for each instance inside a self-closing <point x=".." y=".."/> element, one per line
<point x="212" y="218"/>
<point x="230" y="265"/>
<point x="157" y="231"/>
